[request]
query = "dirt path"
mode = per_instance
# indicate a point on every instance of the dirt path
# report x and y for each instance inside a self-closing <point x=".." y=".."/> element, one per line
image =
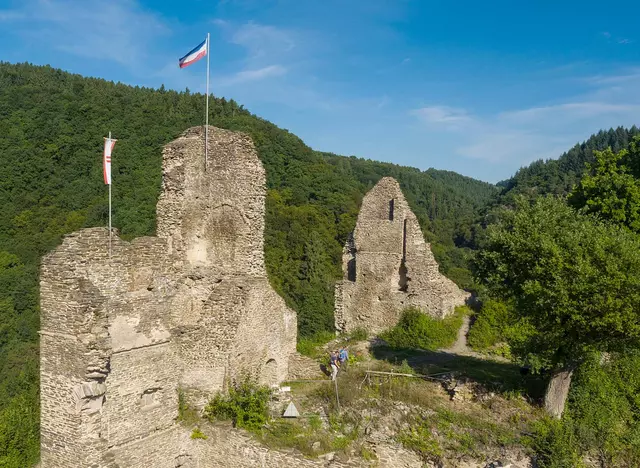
<point x="460" y="346"/>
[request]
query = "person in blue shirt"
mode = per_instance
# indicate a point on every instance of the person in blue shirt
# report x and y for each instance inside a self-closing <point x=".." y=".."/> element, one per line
<point x="343" y="357"/>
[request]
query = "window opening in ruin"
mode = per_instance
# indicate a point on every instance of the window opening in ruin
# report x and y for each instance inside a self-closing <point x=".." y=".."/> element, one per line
<point x="270" y="373"/>
<point x="351" y="263"/>
<point x="403" y="283"/>
<point x="404" y="241"/>
<point x="150" y="398"/>
<point x="391" y="205"/>
<point x="351" y="269"/>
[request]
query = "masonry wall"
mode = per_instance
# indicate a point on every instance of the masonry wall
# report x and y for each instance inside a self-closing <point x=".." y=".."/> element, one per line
<point x="388" y="266"/>
<point x="191" y="309"/>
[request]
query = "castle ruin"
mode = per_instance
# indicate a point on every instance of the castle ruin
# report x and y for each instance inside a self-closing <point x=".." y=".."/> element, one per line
<point x="190" y="309"/>
<point x="388" y="266"/>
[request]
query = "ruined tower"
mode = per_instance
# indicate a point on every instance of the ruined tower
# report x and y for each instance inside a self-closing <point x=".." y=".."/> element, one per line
<point x="388" y="266"/>
<point x="188" y="310"/>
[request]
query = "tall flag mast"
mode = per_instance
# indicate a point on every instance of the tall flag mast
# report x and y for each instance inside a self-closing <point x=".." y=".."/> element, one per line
<point x="192" y="57"/>
<point x="109" y="143"/>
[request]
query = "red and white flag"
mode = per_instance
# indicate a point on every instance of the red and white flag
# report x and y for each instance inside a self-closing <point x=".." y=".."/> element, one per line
<point x="108" y="148"/>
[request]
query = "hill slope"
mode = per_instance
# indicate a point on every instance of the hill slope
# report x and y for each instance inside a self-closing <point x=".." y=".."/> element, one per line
<point x="557" y="176"/>
<point x="51" y="129"/>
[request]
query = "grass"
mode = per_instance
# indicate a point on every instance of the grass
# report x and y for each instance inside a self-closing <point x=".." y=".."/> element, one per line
<point x="310" y="346"/>
<point x="496" y="376"/>
<point x="308" y="436"/>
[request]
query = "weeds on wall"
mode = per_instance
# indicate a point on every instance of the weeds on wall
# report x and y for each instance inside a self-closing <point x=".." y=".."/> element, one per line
<point x="187" y="414"/>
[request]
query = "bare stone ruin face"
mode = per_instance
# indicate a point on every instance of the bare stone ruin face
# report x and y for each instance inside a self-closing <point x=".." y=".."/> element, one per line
<point x="190" y="309"/>
<point x="388" y="266"/>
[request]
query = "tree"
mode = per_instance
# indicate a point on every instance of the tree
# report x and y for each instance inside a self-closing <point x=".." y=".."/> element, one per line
<point x="608" y="191"/>
<point x="575" y="283"/>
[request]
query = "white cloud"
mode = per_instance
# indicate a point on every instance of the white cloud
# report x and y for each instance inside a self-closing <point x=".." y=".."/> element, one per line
<point x="540" y="132"/>
<point x="263" y="43"/>
<point x="117" y="30"/>
<point x="245" y="76"/>
<point x="446" y="116"/>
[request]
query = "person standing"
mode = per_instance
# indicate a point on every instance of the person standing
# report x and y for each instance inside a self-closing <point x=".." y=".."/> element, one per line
<point x="343" y="357"/>
<point x="334" y="360"/>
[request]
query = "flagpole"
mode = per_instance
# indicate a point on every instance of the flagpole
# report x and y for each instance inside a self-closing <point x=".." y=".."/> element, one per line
<point x="206" y="125"/>
<point x="110" y="204"/>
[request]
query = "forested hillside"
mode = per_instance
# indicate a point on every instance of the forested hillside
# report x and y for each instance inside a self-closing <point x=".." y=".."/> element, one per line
<point x="51" y="129"/>
<point x="558" y="176"/>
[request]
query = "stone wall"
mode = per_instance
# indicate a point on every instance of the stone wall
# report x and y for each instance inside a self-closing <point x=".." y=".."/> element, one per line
<point x="191" y="308"/>
<point x="388" y="266"/>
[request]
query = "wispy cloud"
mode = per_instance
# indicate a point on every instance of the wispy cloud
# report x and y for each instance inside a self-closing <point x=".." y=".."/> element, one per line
<point x="541" y="132"/>
<point x="245" y="76"/>
<point x="263" y="40"/>
<point x="618" y="40"/>
<point x="442" y="116"/>
<point x="118" y="30"/>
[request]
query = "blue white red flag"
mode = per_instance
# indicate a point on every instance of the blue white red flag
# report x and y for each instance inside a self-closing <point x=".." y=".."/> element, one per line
<point x="194" y="55"/>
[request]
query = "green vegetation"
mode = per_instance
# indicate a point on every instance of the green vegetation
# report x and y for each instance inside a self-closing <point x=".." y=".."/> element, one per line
<point x="445" y="431"/>
<point x="187" y="415"/>
<point x="309" y="346"/>
<point x="559" y="176"/>
<point x="550" y="260"/>
<point x="309" y="437"/>
<point x="418" y="330"/>
<point x="608" y="190"/>
<point x="359" y="334"/>
<point x="603" y="416"/>
<point x="572" y="276"/>
<point x="246" y="405"/>
<point x="489" y="327"/>
<point x="198" y="434"/>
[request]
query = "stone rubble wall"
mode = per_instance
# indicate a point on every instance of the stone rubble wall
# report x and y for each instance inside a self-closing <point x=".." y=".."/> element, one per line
<point x="190" y="309"/>
<point x="388" y="266"/>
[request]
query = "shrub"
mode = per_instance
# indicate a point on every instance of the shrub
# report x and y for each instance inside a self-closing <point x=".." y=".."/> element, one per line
<point x="490" y="326"/>
<point x="359" y="334"/>
<point x="602" y="416"/>
<point x="418" y="330"/>
<point x="554" y="444"/>
<point x="246" y="405"/>
<point x="309" y="346"/>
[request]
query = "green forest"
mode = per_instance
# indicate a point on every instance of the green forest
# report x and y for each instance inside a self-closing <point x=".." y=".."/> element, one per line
<point x="51" y="129"/>
<point x="552" y="254"/>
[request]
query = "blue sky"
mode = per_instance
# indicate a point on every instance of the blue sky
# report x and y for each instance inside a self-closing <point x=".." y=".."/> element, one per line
<point x="481" y="88"/>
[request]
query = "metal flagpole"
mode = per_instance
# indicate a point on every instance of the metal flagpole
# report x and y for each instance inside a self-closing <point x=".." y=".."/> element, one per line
<point x="206" y="125"/>
<point x="110" y="203"/>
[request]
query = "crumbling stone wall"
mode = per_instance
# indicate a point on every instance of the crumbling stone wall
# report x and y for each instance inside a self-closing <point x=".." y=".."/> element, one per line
<point x="388" y="266"/>
<point x="191" y="308"/>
